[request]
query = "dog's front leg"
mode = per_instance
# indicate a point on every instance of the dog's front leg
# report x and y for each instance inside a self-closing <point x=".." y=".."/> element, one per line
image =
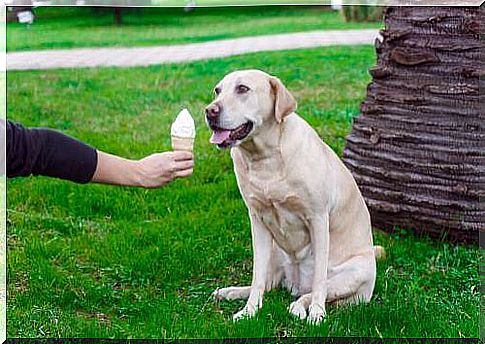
<point x="262" y="250"/>
<point x="319" y="231"/>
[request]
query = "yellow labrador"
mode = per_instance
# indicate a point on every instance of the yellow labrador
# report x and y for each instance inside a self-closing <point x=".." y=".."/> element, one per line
<point x="310" y="227"/>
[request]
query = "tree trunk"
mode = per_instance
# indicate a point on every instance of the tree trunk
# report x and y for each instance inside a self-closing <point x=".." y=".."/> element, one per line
<point x="118" y="15"/>
<point x="417" y="149"/>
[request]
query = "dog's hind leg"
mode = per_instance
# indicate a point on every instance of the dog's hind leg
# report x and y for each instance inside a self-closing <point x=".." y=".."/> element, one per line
<point x="232" y="293"/>
<point x="242" y="293"/>
<point x="352" y="281"/>
<point x="300" y="306"/>
<point x="273" y="279"/>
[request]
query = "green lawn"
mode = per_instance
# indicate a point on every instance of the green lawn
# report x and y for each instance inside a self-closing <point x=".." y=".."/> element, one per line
<point x="105" y="261"/>
<point x="238" y="2"/>
<point x="83" y="27"/>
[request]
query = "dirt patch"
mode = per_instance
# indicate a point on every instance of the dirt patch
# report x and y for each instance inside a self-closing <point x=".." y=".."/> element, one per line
<point x="101" y="317"/>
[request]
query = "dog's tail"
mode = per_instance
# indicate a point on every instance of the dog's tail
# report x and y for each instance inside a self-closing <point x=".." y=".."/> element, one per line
<point x="379" y="252"/>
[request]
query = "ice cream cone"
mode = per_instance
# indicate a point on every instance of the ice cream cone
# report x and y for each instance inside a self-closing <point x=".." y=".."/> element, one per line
<point x="182" y="143"/>
<point x="183" y="132"/>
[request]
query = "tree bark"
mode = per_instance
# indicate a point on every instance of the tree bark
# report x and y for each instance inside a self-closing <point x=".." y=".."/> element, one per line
<point x="417" y="150"/>
<point x="118" y="15"/>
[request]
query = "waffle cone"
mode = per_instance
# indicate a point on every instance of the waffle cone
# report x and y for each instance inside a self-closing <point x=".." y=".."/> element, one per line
<point x="182" y="143"/>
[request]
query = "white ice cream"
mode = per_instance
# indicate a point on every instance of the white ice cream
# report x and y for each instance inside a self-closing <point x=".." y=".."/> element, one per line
<point x="184" y="125"/>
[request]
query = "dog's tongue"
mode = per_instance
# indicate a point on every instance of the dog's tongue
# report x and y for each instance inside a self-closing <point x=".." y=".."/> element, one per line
<point x="219" y="136"/>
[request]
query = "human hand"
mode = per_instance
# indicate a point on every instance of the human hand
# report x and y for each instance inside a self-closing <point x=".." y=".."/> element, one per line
<point x="160" y="169"/>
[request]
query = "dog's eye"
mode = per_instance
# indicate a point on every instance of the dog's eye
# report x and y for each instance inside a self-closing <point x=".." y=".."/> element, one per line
<point x="217" y="90"/>
<point x="242" y="89"/>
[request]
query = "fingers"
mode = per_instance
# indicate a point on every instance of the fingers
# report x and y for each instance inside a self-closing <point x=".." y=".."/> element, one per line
<point x="184" y="173"/>
<point x="171" y="165"/>
<point x="182" y="155"/>
<point x="183" y="165"/>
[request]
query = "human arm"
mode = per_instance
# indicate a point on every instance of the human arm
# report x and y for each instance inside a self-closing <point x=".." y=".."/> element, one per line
<point x="150" y="172"/>
<point x="42" y="151"/>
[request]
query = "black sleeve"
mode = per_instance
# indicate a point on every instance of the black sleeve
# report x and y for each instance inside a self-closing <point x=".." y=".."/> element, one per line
<point x="41" y="151"/>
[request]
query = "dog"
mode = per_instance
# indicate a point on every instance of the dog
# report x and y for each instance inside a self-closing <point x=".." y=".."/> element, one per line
<point x="310" y="227"/>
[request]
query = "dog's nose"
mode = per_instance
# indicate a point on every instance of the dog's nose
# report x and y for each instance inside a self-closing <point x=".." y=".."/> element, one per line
<point x="213" y="111"/>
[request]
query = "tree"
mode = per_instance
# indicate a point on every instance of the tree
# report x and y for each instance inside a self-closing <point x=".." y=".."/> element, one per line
<point x="117" y="15"/>
<point x="417" y="150"/>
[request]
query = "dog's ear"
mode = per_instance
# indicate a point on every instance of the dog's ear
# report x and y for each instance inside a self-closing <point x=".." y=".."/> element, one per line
<point x="284" y="102"/>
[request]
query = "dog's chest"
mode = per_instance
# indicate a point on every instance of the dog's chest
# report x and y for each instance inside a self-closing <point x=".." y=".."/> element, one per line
<point x="280" y="210"/>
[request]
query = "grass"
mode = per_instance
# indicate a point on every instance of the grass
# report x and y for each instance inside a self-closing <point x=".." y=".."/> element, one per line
<point x="105" y="261"/>
<point x="237" y="2"/>
<point x="82" y="27"/>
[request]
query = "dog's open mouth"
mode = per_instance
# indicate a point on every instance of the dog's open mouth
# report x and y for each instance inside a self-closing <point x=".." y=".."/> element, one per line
<point x="227" y="137"/>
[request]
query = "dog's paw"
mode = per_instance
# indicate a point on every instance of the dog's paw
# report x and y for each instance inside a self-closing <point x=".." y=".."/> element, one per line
<point x="247" y="312"/>
<point x="230" y="293"/>
<point x="219" y="294"/>
<point x="316" y="313"/>
<point x="297" y="309"/>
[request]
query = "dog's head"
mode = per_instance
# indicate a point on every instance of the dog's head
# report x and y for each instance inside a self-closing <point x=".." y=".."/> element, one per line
<point x="245" y="101"/>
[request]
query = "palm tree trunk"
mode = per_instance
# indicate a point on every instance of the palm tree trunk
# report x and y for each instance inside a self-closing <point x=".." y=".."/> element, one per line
<point x="417" y="150"/>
